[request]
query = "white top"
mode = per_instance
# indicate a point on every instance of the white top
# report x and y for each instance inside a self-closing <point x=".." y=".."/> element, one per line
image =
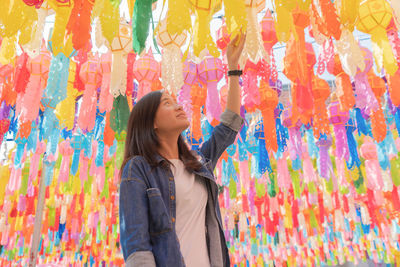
<point x="190" y="225"/>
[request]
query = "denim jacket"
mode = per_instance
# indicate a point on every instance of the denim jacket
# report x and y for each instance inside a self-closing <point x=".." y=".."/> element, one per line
<point x="147" y="206"/>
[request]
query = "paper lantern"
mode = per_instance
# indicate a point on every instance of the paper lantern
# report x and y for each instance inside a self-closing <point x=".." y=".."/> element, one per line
<point x="39" y="69"/>
<point x="369" y="152"/>
<point x="393" y="81"/>
<point x="268" y="32"/>
<point x="378" y="122"/>
<point x="330" y="18"/>
<point x="32" y="48"/>
<point x="66" y="152"/>
<point x="396" y="11"/>
<point x="203" y="43"/>
<point x="79" y="22"/>
<point x="146" y="69"/>
<point x="171" y="62"/>
<point x="106" y="98"/>
<point x="344" y="89"/>
<point x="338" y="119"/>
<point x="394" y="39"/>
<point x="65" y="111"/>
<point x="120" y="47"/>
<point x="253" y="47"/>
<point x="268" y="103"/>
<point x="351" y="55"/>
<point x="190" y="78"/>
<point x="251" y="96"/>
<point x="210" y="73"/>
<point x="321" y="92"/>
<point x="199" y="95"/>
<point x="108" y="20"/>
<point x="59" y="42"/>
<point x="365" y="98"/>
<point x="223" y="37"/>
<point x="91" y="77"/>
<point x="374" y="17"/>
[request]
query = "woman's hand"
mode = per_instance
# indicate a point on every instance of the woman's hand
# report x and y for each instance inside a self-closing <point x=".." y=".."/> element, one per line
<point x="234" y="51"/>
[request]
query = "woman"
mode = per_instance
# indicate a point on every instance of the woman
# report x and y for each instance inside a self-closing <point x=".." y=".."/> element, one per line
<point x="169" y="211"/>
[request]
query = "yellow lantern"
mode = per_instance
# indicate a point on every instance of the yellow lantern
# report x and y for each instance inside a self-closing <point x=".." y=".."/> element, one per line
<point x="108" y="22"/>
<point x="59" y="43"/>
<point x="120" y="47"/>
<point x="235" y="17"/>
<point x="202" y="42"/>
<point x="374" y="17"/>
<point x="171" y="63"/>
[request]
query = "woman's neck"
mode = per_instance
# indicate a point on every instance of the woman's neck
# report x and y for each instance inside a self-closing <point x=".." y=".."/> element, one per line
<point x="168" y="148"/>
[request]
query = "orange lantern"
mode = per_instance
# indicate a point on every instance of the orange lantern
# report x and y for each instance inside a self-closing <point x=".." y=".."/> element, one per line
<point x="321" y="92"/>
<point x="268" y="102"/>
<point x="378" y="122"/>
<point x="199" y="95"/>
<point x="344" y="88"/>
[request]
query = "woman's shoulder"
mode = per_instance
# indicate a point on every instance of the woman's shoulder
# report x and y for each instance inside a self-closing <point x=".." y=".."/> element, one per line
<point x="135" y="166"/>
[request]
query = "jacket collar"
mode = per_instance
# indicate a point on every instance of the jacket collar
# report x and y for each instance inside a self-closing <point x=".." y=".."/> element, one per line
<point x="204" y="171"/>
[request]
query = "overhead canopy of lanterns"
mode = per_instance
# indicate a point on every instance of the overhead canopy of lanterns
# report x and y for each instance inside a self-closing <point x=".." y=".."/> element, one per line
<point x="313" y="177"/>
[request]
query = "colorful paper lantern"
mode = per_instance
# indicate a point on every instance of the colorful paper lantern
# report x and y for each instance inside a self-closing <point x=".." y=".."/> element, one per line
<point x="374" y="17"/>
<point x="120" y="47"/>
<point x="210" y="73"/>
<point x="146" y="70"/>
<point x="91" y="77"/>
<point x="171" y="63"/>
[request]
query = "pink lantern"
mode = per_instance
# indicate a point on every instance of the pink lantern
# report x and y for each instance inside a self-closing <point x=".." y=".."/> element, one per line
<point x="189" y="79"/>
<point x="66" y="151"/>
<point x="268" y="32"/>
<point x="39" y="70"/>
<point x="106" y="99"/>
<point x="365" y="98"/>
<point x="146" y="70"/>
<point x="210" y="73"/>
<point x="373" y="170"/>
<point x="338" y="119"/>
<point x="91" y="77"/>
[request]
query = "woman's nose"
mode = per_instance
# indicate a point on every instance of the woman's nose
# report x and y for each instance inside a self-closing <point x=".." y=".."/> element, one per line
<point x="178" y="106"/>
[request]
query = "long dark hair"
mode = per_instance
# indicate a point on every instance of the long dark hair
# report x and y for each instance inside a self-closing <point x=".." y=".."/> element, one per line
<point x="142" y="140"/>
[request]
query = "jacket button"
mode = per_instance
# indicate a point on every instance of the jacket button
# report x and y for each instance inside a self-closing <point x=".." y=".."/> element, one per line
<point x="171" y="178"/>
<point x="173" y="219"/>
<point x="172" y="197"/>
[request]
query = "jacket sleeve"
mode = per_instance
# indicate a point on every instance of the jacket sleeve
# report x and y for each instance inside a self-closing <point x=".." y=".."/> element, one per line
<point x="133" y="217"/>
<point x="223" y="135"/>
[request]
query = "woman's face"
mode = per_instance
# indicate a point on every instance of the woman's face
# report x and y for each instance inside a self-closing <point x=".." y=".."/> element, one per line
<point x="170" y="116"/>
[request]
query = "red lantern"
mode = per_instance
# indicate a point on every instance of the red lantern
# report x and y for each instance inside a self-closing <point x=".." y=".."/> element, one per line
<point x="268" y="32"/>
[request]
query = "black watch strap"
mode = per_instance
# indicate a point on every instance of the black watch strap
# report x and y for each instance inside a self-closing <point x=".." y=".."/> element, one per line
<point x="235" y="72"/>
